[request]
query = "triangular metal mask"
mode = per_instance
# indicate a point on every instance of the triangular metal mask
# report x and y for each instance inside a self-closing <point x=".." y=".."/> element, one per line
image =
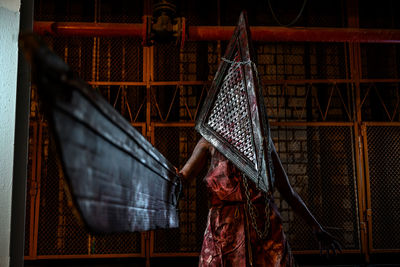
<point x="233" y="118"/>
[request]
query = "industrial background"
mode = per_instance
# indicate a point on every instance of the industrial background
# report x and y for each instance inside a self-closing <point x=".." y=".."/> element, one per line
<point x="331" y="92"/>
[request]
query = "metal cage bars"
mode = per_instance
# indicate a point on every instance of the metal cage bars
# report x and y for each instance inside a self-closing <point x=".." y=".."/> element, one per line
<point x="366" y="225"/>
<point x="153" y="237"/>
<point x="154" y="117"/>
<point x="61" y="236"/>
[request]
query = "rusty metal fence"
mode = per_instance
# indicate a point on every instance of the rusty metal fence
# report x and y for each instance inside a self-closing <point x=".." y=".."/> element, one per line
<point x="176" y="141"/>
<point x="320" y="162"/>
<point x="53" y="230"/>
<point x="318" y="157"/>
<point x="297" y="61"/>
<point x="30" y="188"/>
<point x="317" y="96"/>
<point x="382" y="152"/>
<point x="101" y="59"/>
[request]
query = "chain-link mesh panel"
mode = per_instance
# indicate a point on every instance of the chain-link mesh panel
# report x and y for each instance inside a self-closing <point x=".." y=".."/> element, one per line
<point x="320" y="164"/>
<point x="77" y="52"/>
<point x="380" y="102"/>
<point x="194" y="65"/>
<point x="166" y="62"/>
<point x="101" y="59"/>
<point x="287" y="61"/>
<point x="304" y="102"/>
<point x="188" y="62"/>
<point x="384" y="168"/>
<point x="176" y="144"/>
<point x="171" y="63"/>
<point x="119" y="59"/>
<point x="123" y="243"/>
<point x="379" y="61"/>
<point x="59" y="232"/>
<point x="214" y="57"/>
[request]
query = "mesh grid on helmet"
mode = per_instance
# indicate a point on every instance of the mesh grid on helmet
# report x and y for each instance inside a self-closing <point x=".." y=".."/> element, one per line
<point x="230" y="117"/>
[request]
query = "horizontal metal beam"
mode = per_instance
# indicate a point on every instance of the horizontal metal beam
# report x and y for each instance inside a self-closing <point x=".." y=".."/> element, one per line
<point x="283" y="34"/>
<point x="215" y="33"/>
<point x="265" y="82"/>
<point x="89" y="29"/>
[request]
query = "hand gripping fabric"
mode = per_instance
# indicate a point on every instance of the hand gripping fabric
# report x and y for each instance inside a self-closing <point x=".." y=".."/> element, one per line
<point x="233" y="118"/>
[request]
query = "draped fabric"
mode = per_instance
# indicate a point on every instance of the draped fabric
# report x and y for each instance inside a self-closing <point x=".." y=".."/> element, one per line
<point x="229" y="238"/>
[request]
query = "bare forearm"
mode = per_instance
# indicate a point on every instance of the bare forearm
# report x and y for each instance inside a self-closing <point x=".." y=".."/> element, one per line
<point x="196" y="161"/>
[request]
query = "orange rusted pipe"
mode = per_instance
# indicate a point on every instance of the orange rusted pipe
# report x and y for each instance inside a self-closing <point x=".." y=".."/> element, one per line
<point x="215" y="33"/>
<point x="88" y="29"/>
<point x="282" y="34"/>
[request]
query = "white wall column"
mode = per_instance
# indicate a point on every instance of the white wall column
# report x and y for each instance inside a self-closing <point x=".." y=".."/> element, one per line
<point x="9" y="29"/>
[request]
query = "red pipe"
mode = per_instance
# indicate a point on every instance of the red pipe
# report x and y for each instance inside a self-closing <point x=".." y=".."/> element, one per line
<point x="88" y="29"/>
<point x="282" y="34"/>
<point x="214" y="33"/>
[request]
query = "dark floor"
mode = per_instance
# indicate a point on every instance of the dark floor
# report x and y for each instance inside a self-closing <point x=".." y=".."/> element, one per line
<point x="303" y="260"/>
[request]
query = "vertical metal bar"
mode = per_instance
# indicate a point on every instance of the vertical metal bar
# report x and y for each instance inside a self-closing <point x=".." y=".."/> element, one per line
<point x="89" y="245"/>
<point x="61" y="217"/>
<point x="147" y="77"/>
<point x="151" y="64"/>
<point x="150" y="78"/>
<point x="123" y="76"/>
<point x="33" y="187"/>
<point x="147" y="132"/>
<point x="38" y="180"/>
<point x="151" y="136"/>
<point x="151" y="233"/>
<point x="367" y="213"/>
<point x="360" y="188"/>
<point x="108" y="69"/>
<point x="355" y="74"/>
<point x="95" y="39"/>
<point x="80" y="57"/>
<point x="151" y="244"/>
<point x="94" y="61"/>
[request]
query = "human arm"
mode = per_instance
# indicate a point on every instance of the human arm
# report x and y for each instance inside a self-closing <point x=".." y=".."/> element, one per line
<point x="196" y="161"/>
<point x="326" y="241"/>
